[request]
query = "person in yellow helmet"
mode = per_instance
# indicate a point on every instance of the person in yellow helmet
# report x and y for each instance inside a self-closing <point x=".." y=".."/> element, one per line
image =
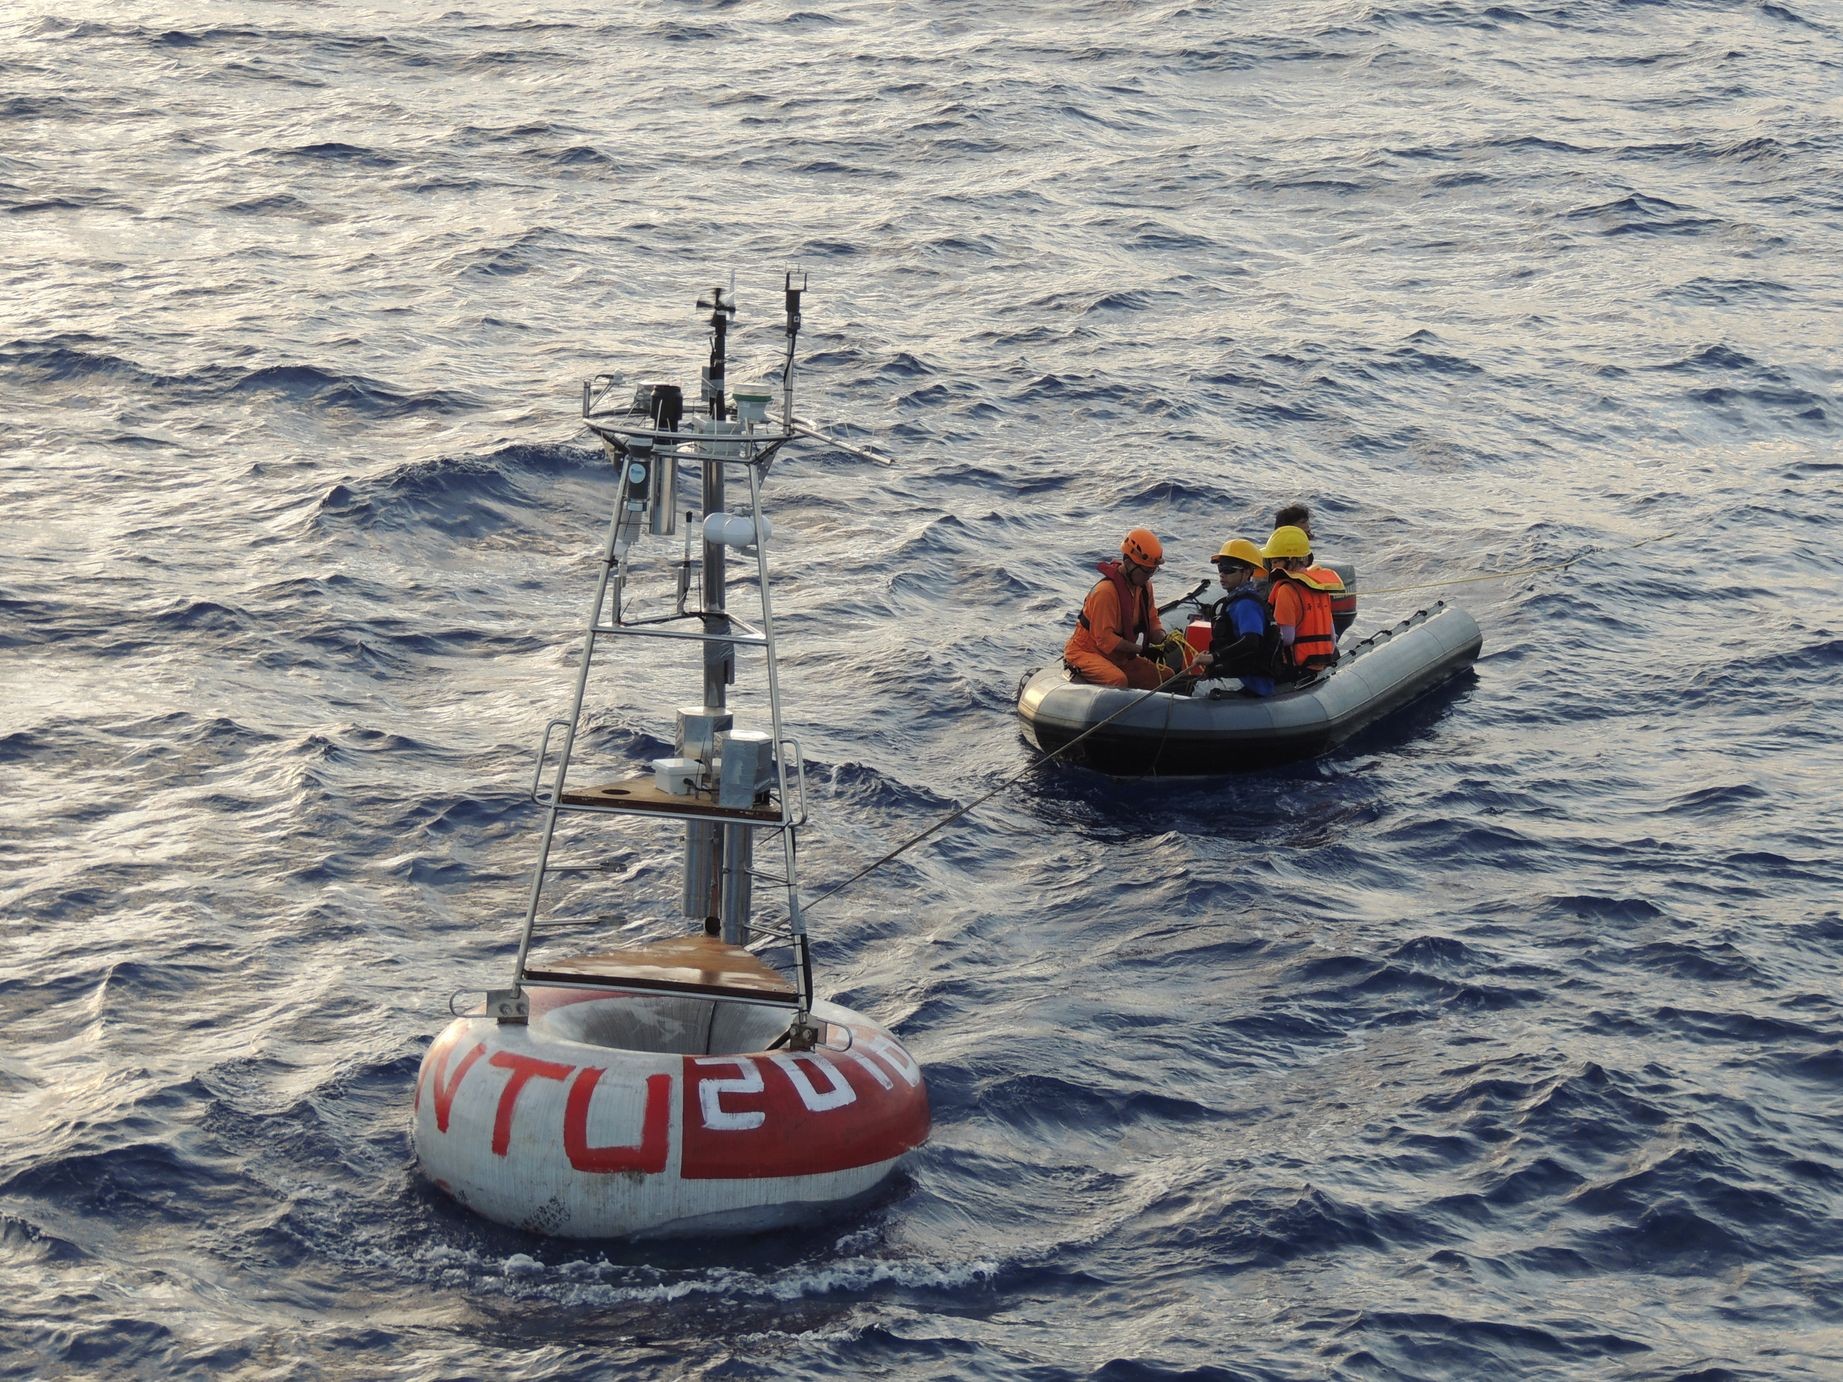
<point x="1343" y="601"/>
<point x="1243" y="640"/>
<point x="1300" y="600"/>
<point x="1119" y="620"/>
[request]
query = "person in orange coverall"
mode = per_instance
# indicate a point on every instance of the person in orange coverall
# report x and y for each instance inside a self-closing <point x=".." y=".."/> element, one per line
<point x="1119" y="620"/>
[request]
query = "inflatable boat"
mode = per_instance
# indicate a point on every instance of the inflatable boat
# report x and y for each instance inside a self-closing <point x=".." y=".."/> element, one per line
<point x="1219" y="728"/>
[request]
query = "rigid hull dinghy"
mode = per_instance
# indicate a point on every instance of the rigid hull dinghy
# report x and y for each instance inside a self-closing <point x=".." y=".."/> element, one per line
<point x="692" y="1084"/>
<point x="1219" y="729"/>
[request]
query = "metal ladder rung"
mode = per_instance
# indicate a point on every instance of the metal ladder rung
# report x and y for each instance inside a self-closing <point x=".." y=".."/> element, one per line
<point x="563" y="979"/>
<point x="719" y="447"/>
<point x="753" y="640"/>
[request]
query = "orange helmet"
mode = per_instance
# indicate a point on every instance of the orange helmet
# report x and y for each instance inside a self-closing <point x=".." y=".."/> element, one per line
<point x="1142" y="545"/>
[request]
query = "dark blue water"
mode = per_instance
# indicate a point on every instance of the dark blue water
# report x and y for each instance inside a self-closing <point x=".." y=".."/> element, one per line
<point x="1508" y="1042"/>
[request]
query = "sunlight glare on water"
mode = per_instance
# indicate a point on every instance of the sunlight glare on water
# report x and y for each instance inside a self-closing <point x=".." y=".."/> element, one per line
<point x="1505" y="1040"/>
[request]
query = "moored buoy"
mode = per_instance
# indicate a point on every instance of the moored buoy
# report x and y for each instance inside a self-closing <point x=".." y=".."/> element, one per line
<point x="695" y="1084"/>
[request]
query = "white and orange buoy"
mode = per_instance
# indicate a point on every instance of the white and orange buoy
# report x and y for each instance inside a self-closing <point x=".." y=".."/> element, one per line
<point x="624" y="1113"/>
<point x="692" y="1084"/>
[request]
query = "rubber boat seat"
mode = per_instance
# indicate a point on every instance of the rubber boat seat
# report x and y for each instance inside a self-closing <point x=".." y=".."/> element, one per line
<point x="1223" y="693"/>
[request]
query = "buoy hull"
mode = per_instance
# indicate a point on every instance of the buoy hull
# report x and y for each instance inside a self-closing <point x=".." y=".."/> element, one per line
<point x="534" y="1127"/>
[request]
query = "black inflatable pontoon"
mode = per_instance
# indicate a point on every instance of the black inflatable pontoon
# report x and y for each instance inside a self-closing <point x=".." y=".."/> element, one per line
<point x="1222" y="729"/>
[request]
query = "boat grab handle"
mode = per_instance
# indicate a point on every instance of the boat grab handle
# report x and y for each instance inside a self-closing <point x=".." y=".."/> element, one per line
<point x="537" y="768"/>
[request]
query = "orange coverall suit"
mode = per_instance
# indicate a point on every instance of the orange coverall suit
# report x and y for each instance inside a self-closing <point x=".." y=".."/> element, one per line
<point x="1103" y="649"/>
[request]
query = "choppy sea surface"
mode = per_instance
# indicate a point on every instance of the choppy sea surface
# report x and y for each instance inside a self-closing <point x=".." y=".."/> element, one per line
<point x="1508" y="1041"/>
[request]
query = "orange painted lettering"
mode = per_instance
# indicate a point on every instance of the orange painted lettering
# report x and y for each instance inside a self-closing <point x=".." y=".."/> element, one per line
<point x="523" y="1068"/>
<point x="648" y="1155"/>
<point x="444" y="1091"/>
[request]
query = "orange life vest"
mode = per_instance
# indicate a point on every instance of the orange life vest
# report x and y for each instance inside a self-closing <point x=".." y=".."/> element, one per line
<point x="1322" y="578"/>
<point x="1315" y="635"/>
<point x="1343" y="597"/>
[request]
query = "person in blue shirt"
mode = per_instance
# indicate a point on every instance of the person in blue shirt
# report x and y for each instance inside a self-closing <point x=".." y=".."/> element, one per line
<point x="1243" y="640"/>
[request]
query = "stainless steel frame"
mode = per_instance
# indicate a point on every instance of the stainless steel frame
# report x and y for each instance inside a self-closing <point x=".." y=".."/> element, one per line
<point x="630" y="436"/>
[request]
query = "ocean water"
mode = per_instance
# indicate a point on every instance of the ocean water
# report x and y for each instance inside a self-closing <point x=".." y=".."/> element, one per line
<point x="1508" y="1041"/>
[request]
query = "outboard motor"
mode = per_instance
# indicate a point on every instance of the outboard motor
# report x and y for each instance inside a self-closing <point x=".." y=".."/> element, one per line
<point x="1344" y="606"/>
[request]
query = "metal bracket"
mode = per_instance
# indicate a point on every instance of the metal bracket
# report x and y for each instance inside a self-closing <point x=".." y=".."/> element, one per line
<point x="803" y="1033"/>
<point x="507" y="1005"/>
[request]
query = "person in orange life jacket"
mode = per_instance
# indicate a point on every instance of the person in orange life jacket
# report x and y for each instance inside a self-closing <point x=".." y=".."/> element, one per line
<point x="1300" y="517"/>
<point x="1300" y="601"/>
<point x="1243" y="640"/>
<point x="1119" y="620"/>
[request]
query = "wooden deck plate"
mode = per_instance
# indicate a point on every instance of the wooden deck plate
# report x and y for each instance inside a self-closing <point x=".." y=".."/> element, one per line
<point x="644" y="794"/>
<point x="693" y="962"/>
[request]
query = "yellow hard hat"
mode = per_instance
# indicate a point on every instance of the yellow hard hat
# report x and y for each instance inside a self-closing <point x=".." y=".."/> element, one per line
<point x="1142" y="545"/>
<point x="1288" y="542"/>
<point x="1240" y="549"/>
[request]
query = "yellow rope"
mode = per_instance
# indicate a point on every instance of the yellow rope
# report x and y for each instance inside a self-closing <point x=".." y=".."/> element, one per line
<point x="1366" y="592"/>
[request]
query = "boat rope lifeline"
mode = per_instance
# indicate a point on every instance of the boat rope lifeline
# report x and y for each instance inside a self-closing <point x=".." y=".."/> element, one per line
<point x="1513" y="571"/>
<point x="1027" y="769"/>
